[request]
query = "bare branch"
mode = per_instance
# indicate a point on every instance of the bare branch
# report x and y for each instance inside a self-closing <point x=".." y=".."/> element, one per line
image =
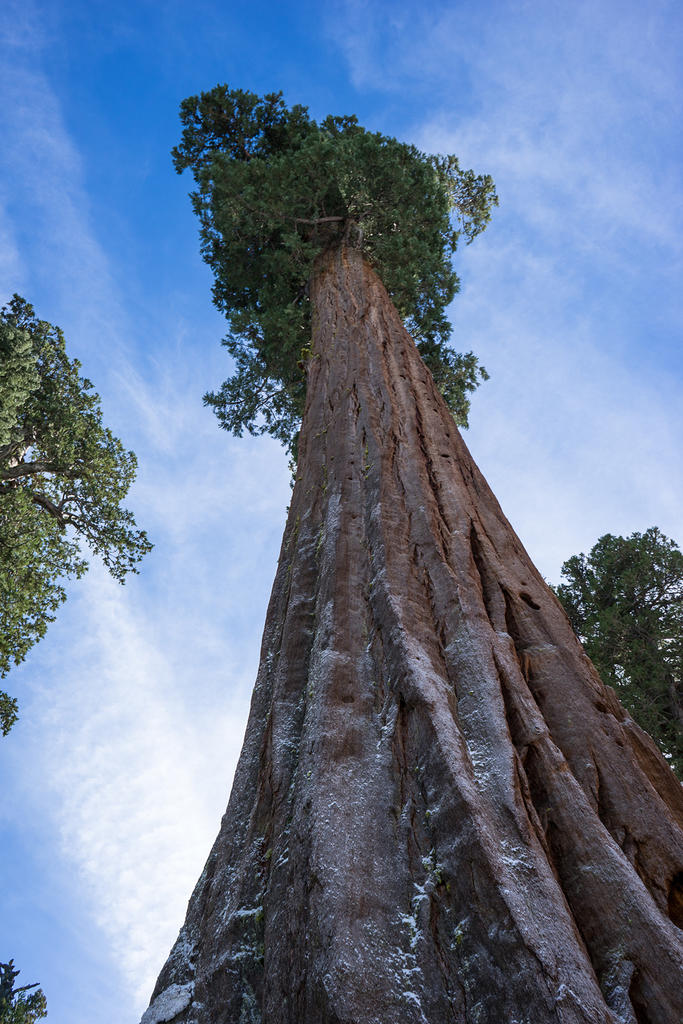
<point x="317" y="220"/>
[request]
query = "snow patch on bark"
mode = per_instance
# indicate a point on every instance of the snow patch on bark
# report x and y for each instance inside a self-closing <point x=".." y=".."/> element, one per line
<point x="168" y="1004"/>
<point x="183" y="955"/>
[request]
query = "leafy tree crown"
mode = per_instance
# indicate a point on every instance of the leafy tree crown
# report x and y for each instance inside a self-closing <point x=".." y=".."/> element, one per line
<point x="274" y="188"/>
<point x="63" y="477"/>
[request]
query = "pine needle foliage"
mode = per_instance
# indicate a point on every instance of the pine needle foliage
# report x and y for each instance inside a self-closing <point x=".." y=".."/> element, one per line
<point x="274" y="189"/>
<point x="24" y="1004"/>
<point x="625" y="602"/>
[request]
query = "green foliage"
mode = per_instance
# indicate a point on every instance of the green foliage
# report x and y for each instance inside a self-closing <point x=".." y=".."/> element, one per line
<point x="9" y="712"/>
<point x="19" y="1005"/>
<point x="274" y="188"/>
<point x="18" y="376"/>
<point x="625" y="602"/>
<point x="63" y="476"/>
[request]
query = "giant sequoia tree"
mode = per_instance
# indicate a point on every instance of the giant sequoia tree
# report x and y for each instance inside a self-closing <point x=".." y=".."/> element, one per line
<point x="440" y="812"/>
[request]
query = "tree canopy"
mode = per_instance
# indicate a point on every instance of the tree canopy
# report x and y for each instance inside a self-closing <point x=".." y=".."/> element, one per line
<point x="274" y="188"/>
<point x="63" y="476"/>
<point x="625" y="602"/>
<point x="19" y="1005"/>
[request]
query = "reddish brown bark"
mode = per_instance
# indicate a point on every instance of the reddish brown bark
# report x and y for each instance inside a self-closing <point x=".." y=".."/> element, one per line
<point x="440" y="813"/>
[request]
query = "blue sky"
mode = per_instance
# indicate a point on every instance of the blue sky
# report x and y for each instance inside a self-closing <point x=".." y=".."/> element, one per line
<point x="134" y="705"/>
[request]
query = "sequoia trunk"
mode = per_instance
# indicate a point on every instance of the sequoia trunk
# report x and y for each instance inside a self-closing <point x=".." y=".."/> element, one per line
<point x="440" y="813"/>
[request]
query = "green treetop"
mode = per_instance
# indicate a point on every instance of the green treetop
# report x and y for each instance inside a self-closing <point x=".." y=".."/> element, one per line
<point x="625" y="602"/>
<point x="274" y="188"/>
<point x="20" y="1005"/>
<point x="63" y="476"/>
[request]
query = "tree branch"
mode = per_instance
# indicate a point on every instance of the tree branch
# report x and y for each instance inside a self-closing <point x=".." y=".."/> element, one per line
<point x="55" y="510"/>
<point x="27" y="469"/>
<point x="317" y="220"/>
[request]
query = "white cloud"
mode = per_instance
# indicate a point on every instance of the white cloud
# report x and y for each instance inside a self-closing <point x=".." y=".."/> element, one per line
<point x="20" y="26"/>
<point x="558" y="99"/>
<point x="574" y="443"/>
<point x="139" y="776"/>
<point x="11" y="268"/>
<point x="63" y="265"/>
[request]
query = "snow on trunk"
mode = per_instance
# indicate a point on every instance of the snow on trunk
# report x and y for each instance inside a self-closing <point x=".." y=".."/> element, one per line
<point x="440" y="813"/>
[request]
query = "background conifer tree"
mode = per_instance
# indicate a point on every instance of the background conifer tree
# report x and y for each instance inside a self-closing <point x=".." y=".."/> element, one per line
<point x="63" y="478"/>
<point x="23" y="1004"/>
<point x="625" y="602"/>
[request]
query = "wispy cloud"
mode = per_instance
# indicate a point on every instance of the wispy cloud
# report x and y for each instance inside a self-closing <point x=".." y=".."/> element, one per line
<point x="46" y="199"/>
<point x="20" y="26"/>
<point x="574" y="441"/>
<point x="141" y="751"/>
<point x="11" y="268"/>
<point x="557" y="98"/>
